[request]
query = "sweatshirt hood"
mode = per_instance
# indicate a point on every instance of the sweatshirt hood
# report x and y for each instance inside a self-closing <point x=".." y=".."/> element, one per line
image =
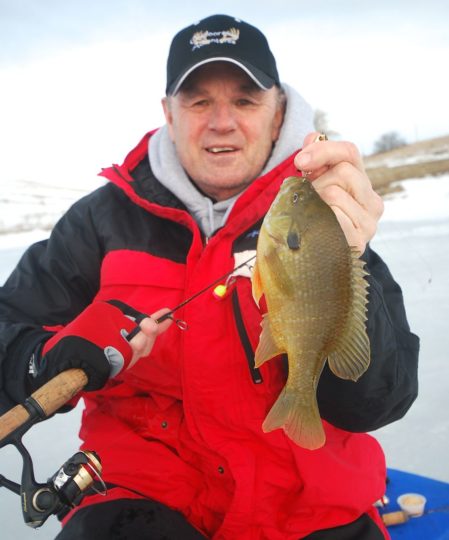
<point x="210" y="215"/>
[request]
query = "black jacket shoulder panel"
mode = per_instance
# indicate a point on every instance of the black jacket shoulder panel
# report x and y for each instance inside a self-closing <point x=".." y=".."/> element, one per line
<point x="149" y="188"/>
<point x="123" y="224"/>
<point x="57" y="278"/>
<point x="385" y="392"/>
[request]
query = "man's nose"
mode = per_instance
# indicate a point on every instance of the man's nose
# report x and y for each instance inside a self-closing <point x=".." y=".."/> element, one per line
<point x="222" y="117"/>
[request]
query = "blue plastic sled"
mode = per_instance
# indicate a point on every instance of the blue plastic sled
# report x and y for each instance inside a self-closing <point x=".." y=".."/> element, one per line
<point x="434" y="524"/>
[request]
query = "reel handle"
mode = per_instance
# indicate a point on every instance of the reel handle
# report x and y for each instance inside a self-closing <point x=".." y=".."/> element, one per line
<point x="50" y="397"/>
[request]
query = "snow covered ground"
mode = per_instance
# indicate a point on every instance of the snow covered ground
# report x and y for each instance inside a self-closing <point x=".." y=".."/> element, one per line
<point x="413" y="238"/>
<point x="27" y="206"/>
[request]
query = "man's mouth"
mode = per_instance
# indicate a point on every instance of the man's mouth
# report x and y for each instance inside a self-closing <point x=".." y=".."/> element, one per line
<point x="220" y="149"/>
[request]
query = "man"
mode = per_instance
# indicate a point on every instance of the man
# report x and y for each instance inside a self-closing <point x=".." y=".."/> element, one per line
<point x="179" y="431"/>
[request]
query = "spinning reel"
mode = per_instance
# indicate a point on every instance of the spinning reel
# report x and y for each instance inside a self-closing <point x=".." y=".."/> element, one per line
<point x="71" y="482"/>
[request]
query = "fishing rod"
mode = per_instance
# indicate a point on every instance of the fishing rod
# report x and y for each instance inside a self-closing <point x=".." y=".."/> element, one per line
<point x="218" y="280"/>
<point x="81" y="473"/>
<point x="180" y="323"/>
<point x="398" y="517"/>
<point x="66" y="488"/>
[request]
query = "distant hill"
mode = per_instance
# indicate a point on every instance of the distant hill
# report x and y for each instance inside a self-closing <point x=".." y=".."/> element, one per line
<point x="424" y="158"/>
<point x="27" y="206"/>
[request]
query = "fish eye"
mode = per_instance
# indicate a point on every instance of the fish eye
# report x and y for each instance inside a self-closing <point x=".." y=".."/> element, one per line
<point x="297" y="197"/>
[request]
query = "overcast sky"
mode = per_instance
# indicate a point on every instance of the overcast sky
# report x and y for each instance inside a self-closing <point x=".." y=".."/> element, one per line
<point x="81" y="81"/>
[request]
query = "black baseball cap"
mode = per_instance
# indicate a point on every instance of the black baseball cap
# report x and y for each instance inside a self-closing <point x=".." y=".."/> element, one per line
<point x="221" y="38"/>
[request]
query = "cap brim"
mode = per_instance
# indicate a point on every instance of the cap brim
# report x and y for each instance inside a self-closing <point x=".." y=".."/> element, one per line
<point x="259" y="77"/>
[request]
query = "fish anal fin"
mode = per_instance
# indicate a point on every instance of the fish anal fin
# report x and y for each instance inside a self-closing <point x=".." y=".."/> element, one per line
<point x="300" y="421"/>
<point x="351" y="357"/>
<point x="267" y="347"/>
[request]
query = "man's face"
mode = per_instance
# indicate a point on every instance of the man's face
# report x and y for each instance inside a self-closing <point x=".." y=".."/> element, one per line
<point x="223" y="127"/>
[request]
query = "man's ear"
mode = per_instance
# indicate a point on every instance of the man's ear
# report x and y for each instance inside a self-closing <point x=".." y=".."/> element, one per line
<point x="166" y="105"/>
<point x="277" y="121"/>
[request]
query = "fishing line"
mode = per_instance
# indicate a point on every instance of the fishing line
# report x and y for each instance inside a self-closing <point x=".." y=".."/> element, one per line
<point x="179" y="322"/>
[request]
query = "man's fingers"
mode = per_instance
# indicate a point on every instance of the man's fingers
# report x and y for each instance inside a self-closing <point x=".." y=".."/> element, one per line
<point x="325" y="154"/>
<point x="143" y="342"/>
<point x="353" y="182"/>
<point x="358" y="225"/>
<point x="338" y="175"/>
<point x="164" y="325"/>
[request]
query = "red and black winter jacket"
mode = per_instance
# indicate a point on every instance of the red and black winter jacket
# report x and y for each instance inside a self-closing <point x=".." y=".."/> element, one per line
<point x="183" y="426"/>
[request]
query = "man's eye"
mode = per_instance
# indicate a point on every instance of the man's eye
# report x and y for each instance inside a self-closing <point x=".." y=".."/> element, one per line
<point x="200" y="103"/>
<point x="242" y="102"/>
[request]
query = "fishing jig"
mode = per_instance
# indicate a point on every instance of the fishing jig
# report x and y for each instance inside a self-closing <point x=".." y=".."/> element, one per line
<point x="179" y="322"/>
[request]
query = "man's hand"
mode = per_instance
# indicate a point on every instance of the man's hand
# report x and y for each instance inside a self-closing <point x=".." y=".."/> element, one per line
<point x="338" y="175"/>
<point x="143" y="342"/>
<point x="96" y="341"/>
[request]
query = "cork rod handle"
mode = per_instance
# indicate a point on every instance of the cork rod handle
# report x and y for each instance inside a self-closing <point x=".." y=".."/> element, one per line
<point x="51" y="396"/>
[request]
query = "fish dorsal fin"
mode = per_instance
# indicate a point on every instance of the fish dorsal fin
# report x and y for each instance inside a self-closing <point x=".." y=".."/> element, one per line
<point x="351" y="356"/>
<point x="267" y="348"/>
<point x="256" y="283"/>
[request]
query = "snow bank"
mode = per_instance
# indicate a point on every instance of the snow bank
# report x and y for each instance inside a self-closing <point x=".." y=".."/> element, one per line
<point x="421" y="199"/>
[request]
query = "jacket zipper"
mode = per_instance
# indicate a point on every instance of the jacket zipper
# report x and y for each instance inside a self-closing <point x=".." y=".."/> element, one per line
<point x="256" y="376"/>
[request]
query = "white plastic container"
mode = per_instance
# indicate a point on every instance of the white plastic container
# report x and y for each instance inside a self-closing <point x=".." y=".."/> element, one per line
<point x="412" y="504"/>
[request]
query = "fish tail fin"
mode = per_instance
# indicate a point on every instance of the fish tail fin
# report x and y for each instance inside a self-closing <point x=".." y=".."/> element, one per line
<point x="300" y="421"/>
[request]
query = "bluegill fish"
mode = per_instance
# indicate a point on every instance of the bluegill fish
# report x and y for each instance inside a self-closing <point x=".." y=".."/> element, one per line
<point x="316" y="295"/>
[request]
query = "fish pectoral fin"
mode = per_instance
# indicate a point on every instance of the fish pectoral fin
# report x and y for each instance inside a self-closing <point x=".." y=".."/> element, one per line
<point x="256" y="284"/>
<point x="351" y="356"/>
<point x="280" y="276"/>
<point x="267" y="347"/>
<point x="300" y="421"/>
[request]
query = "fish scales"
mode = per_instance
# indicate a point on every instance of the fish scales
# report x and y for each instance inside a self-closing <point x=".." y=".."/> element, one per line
<point x="316" y="295"/>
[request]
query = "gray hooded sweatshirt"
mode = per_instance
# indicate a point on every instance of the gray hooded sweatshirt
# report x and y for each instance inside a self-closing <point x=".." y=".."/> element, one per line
<point x="210" y="215"/>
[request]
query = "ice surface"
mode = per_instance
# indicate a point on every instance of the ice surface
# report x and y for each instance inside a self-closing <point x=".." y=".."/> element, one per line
<point x="421" y="199"/>
<point x="413" y="238"/>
